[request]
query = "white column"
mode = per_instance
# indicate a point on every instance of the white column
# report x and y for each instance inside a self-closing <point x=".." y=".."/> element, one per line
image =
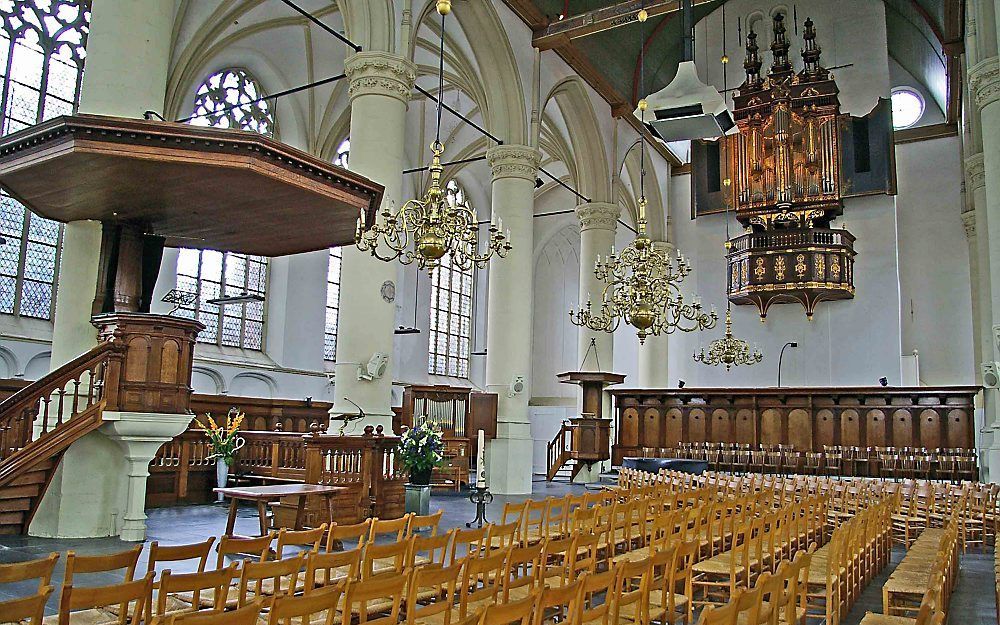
<point x="984" y="83"/>
<point x="653" y="353"/>
<point x="128" y="50"/>
<point x="598" y="223"/>
<point x="380" y="90"/>
<point x="509" y="311"/>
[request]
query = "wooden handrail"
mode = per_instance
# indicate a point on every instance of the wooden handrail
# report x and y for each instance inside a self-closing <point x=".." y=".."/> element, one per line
<point x="39" y="409"/>
<point x="558" y="448"/>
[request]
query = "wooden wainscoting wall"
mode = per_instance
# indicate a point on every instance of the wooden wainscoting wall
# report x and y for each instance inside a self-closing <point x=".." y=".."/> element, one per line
<point x="808" y="419"/>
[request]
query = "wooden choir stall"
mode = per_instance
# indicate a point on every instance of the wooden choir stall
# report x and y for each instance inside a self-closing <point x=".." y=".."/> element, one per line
<point x="899" y="432"/>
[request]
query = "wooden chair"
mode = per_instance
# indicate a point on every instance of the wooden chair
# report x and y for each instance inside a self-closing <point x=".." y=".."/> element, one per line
<point x="159" y="554"/>
<point x="520" y="572"/>
<point x="519" y="612"/>
<point x="190" y="592"/>
<point x="244" y="548"/>
<point x="503" y="536"/>
<point x="83" y="605"/>
<point x="40" y="569"/>
<point x="332" y="567"/>
<point x="467" y="543"/>
<point x="631" y="592"/>
<point x="315" y="608"/>
<point x="426" y="524"/>
<point x="247" y="615"/>
<point x="596" y="592"/>
<point x="429" y="550"/>
<point x="261" y="580"/>
<point x="385" y="558"/>
<point x="430" y="595"/>
<point x="395" y="529"/>
<point x="479" y="583"/>
<point x="122" y="561"/>
<point x="557" y="516"/>
<point x="533" y="521"/>
<point x="379" y="595"/>
<point x="27" y="610"/>
<point x="347" y="537"/>
<point x="559" y="604"/>
<point x="308" y="540"/>
<point x="555" y="565"/>
<point x="725" y="614"/>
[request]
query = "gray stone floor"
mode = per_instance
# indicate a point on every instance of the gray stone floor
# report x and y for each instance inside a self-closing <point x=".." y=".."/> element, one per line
<point x="972" y="604"/>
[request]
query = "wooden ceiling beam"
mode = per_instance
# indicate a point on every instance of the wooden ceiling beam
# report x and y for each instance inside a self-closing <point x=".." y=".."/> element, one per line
<point x="560" y="32"/>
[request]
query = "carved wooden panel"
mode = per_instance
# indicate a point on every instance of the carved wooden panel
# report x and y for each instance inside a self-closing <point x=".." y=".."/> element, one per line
<point x="770" y="428"/>
<point x="800" y="429"/>
<point x="850" y="428"/>
<point x="674" y="428"/>
<point x="649" y="434"/>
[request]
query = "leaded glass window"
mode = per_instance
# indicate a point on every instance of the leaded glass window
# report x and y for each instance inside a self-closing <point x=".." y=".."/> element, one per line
<point x="42" y="51"/>
<point x="215" y="100"/>
<point x="211" y="275"/>
<point x="333" y="275"/>
<point x="332" y="305"/>
<point x="451" y="314"/>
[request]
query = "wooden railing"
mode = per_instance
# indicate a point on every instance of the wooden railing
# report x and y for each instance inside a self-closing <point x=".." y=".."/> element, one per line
<point x="38" y="410"/>
<point x="366" y="465"/>
<point x="557" y="450"/>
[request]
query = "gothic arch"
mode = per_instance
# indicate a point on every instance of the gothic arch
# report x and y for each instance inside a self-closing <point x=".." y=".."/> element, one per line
<point x="586" y="139"/>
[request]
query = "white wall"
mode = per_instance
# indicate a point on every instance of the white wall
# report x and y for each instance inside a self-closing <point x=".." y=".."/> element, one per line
<point x="934" y="261"/>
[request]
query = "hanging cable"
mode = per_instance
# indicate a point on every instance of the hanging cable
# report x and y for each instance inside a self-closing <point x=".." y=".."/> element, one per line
<point x="312" y="18"/>
<point x="440" y="95"/>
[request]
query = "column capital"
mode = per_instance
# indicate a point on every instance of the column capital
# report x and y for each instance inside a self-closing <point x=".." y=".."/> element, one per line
<point x="984" y="82"/>
<point x="969" y="221"/>
<point x="975" y="172"/>
<point x="513" y="161"/>
<point x="380" y="73"/>
<point x="598" y="216"/>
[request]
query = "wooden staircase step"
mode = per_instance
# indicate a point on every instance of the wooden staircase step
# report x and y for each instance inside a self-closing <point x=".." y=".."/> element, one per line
<point x="15" y="505"/>
<point x="16" y="492"/>
<point x="30" y="478"/>
<point x="11" y="519"/>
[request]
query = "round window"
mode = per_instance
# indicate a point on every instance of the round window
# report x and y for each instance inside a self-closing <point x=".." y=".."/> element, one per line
<point x="907" y="107"/>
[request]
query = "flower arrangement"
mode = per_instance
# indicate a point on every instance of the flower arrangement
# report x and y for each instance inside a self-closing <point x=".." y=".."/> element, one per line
<point x="420" y="450"/>
<point x="224" y="439"/>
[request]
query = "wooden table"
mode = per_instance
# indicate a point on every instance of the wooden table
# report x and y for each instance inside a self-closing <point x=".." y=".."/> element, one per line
<point x="264" y="494"/>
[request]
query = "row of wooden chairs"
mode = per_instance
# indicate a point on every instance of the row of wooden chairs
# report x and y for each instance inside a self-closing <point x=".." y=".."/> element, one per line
<point x="930" y="566"/>
<point x="773" y="598"/>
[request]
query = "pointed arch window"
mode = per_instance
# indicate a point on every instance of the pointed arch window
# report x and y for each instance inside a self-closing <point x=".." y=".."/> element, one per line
<point x="211" y="274"/>
<point x="451" y="314"/>
<point x="333" y="275"/>
<point x="42" y="51"/>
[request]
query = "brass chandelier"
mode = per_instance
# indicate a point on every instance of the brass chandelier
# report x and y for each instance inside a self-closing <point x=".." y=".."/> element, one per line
<point x="425" y="230"/>
<point x="729" y="350"/>
<point x="641" y="288"/>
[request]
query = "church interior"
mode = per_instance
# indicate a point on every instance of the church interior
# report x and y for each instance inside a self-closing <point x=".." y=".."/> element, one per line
<point x="496" y="312"/>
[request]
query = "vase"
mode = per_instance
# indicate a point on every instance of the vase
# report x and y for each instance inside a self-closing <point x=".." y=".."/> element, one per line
<point x="421" y="477"/>
<point x="221" y="476"/>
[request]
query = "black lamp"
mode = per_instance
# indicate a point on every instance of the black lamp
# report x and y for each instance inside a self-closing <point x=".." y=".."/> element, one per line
<point x="884" y="381"/>
<point x="681" y="383"/>
<point x="782" y="355"/>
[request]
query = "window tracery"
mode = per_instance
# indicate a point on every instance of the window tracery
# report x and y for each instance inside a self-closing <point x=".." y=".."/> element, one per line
<point x="42" y="52"/>
<point x="215" y="100"/>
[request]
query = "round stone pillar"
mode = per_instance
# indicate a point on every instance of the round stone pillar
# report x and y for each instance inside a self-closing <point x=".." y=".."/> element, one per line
<point x="598" y="223"/>
<point x="984" y="84"/>
<point x="509" y="319"/>
<point x="653" y="353"/>
<point x="380" y="89"/>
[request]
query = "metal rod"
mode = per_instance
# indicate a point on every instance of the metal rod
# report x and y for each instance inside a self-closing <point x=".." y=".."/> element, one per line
<point x="565" y="186"/>
<point x="458" y="162"/>
<point x="458" y="115"/>
<point x="316" y="21"/>
<point x="273" y="96"/>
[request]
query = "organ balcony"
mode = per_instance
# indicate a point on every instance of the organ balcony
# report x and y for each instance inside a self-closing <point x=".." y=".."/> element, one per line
<point x="805" y="265"/>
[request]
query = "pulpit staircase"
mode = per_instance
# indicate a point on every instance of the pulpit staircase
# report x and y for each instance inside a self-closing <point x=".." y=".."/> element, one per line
<point x="561" y="461"/>
<point x="39" y="422"/>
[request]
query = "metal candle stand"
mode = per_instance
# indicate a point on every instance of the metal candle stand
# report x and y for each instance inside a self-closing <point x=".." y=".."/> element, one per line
<point x="482" y="497"/>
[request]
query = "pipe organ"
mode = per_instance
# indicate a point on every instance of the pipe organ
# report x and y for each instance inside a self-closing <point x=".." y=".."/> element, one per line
<point x="784" y="182"/>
